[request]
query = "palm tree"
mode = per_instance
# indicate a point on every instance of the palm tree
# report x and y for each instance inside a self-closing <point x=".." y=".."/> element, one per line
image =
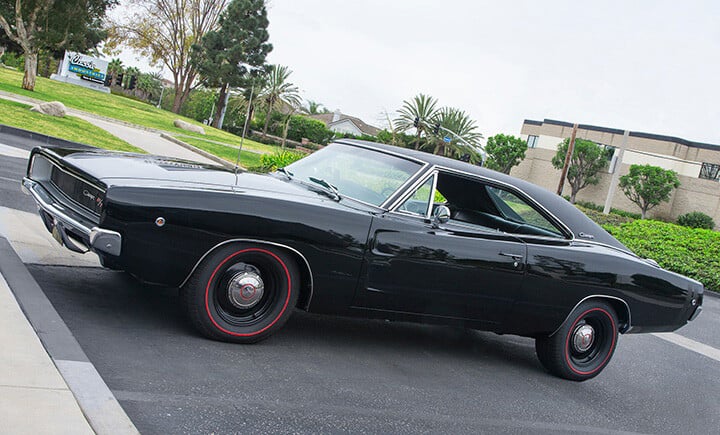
<point x="314" y="108"/>
<point x="460" y="123"/>
<point x="115" y="68"/>
<point x="278" y="89"/>
<point x="421" y="107"/>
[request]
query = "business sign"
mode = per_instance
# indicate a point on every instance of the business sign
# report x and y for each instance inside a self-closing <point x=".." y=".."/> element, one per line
<point x="86" y="67"/>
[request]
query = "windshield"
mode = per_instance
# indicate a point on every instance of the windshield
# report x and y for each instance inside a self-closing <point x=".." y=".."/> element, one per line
<point x="365" y="175"/>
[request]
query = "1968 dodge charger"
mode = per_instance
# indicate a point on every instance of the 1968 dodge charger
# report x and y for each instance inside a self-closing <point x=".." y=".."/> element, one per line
<point x="367" y="230"/>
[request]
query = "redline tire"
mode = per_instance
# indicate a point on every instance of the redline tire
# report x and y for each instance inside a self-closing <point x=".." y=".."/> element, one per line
<point x="584" y="345"/>
<point x="215" y="313"/>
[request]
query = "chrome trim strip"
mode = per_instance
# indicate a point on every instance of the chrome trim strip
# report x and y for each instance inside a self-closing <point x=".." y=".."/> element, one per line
<point x="101" y="239"/>
<point x="627" y="307"/>
<point x="307" y="264"/>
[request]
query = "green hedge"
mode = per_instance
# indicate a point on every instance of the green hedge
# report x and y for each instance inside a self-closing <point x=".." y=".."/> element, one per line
<point x="688" y="251"/>
<point x="604" y="219"/>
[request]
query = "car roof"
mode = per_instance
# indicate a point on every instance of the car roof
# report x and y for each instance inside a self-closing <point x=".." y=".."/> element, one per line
<point x="581" y="226"/>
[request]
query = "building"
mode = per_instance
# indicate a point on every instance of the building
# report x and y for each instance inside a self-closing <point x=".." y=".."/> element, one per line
<point x="697" y="165"/>
<point x="342" y="123"/>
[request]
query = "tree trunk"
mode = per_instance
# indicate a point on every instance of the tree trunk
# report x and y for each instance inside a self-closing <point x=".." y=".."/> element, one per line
<point x="572" y="196"/>
<point x="250" y="115"/>
<point x="30" y="70"/>
<point x="221" y="106"/>
<point x="417" y="140"/>
<point x="643" y="213"/>
<point x="267" y="117"/>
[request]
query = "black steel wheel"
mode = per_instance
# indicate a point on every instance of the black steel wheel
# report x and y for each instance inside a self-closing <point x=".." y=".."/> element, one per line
<point x="584" y="345"/>
<point x="242" y="293"/>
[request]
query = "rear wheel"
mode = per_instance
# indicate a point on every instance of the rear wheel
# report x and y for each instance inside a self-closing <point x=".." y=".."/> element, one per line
<point x="242" y="293"/>
<point x="584" y="345"/>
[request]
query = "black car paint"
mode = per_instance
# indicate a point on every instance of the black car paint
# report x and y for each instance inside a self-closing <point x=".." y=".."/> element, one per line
<point x="368" y="261"/>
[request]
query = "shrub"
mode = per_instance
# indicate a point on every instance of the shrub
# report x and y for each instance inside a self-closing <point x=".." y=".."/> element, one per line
<point x="312" y="129"/>
<point x="696" y="219"/>
<point x="13" y="60"/>
<point x="688" y="251"/>
<point x="278" y="159"/>
<point x="604" y="219"/>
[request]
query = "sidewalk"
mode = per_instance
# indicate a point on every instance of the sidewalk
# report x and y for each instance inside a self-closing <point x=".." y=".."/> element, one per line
<point x="34" y="398"/>
<point x="146" y="139"/>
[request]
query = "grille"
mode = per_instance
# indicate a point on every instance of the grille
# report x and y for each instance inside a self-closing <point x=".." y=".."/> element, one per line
<point x="77" y="190"/>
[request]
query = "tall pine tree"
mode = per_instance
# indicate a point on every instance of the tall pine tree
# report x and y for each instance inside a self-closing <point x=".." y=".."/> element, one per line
<point x="225" y="57"/>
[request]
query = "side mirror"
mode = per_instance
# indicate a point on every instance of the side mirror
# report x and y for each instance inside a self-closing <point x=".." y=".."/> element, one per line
<point x="440" y="216"/>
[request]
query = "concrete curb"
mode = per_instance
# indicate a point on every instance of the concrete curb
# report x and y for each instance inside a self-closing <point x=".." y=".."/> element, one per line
<point x="49" y="140"/>
<point x="95" y="399"/>
<point x="197" y="150"/>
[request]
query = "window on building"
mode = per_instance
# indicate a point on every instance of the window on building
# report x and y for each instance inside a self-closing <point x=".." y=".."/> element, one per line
<point x="532" y="141"/>
<point x="710" y="171"/>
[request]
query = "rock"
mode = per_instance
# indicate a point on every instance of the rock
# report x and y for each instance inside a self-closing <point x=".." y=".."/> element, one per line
<point x="54" y="108"/>
<point x="179" y="123"/>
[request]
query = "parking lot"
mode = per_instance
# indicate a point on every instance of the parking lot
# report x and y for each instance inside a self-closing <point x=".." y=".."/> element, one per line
<point x="330" y="374"/>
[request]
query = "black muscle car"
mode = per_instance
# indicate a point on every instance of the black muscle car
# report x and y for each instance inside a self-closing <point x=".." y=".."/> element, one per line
<point x="362" y="229"/>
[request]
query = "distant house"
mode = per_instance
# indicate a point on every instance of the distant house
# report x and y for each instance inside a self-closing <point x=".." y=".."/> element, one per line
<point x="342" y="123"/>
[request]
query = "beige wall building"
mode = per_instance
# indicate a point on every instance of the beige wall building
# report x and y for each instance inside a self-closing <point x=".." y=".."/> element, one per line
<point x="697" y="164"/>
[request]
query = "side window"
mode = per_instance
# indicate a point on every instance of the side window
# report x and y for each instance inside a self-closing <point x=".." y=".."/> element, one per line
<point x="419" y="202"/>
<point x="517" y="210"/>
<point x="474" y="202"/>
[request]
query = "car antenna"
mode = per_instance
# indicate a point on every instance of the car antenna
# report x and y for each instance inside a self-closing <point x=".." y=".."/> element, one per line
<point x="242" y="138"/>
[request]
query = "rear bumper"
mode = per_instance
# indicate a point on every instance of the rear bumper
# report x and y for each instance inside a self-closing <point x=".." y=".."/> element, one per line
<point x="64" y="223"/>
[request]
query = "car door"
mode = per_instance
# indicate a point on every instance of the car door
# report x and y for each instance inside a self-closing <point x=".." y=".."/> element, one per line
<point x="454" y="269"/>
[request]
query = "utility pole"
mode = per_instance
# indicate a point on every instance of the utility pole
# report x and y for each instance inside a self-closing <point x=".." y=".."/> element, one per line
<point x="568" y="156"/>
<point x="616" y="173"/>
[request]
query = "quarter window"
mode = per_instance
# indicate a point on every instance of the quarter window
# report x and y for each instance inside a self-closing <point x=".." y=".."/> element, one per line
<point x="419" y="202"/>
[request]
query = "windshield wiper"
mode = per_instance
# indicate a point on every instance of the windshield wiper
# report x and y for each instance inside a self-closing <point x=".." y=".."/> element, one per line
<point x="329" y="187"/>
<point x="287" y="173"/>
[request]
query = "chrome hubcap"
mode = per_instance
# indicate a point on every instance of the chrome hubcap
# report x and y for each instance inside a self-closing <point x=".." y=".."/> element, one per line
<point x="583" y="338"/>
<point x="245" y="289"/>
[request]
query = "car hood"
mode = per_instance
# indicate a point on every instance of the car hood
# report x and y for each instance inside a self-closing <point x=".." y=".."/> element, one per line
<point x="124" y="169"/>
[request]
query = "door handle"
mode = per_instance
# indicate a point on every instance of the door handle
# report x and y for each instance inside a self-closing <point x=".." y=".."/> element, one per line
<point x="517" y="258"/>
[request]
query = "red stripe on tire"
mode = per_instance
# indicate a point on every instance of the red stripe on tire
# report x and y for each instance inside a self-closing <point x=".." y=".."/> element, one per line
<point x="207" y="292"/>
<point x="567" y="343"/>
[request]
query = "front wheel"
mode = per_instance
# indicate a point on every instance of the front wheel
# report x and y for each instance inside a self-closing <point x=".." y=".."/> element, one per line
<point x="584" y="345"/>
<point x="242" y="293"/>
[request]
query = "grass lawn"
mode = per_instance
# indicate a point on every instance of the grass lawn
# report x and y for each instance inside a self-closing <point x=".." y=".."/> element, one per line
<point x="69" y="128"/>
<point x="247" y="159"/>
<point x="115" y="106"/>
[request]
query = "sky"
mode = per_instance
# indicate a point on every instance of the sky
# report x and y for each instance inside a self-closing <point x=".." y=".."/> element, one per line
<point x="650" y="66"/>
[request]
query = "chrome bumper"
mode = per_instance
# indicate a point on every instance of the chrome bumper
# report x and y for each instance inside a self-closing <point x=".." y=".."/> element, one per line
<point x="97" y="239"/>
<point x="697" y="312"/>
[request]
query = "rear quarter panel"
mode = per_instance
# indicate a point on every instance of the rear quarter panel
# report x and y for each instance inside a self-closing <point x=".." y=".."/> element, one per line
<point x="560" y="276"/>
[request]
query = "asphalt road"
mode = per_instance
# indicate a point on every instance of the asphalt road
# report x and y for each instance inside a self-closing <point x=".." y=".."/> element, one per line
<point x="328" y="374"/>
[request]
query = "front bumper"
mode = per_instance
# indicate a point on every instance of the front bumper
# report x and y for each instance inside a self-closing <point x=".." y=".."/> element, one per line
<point x="63" y="223"/>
